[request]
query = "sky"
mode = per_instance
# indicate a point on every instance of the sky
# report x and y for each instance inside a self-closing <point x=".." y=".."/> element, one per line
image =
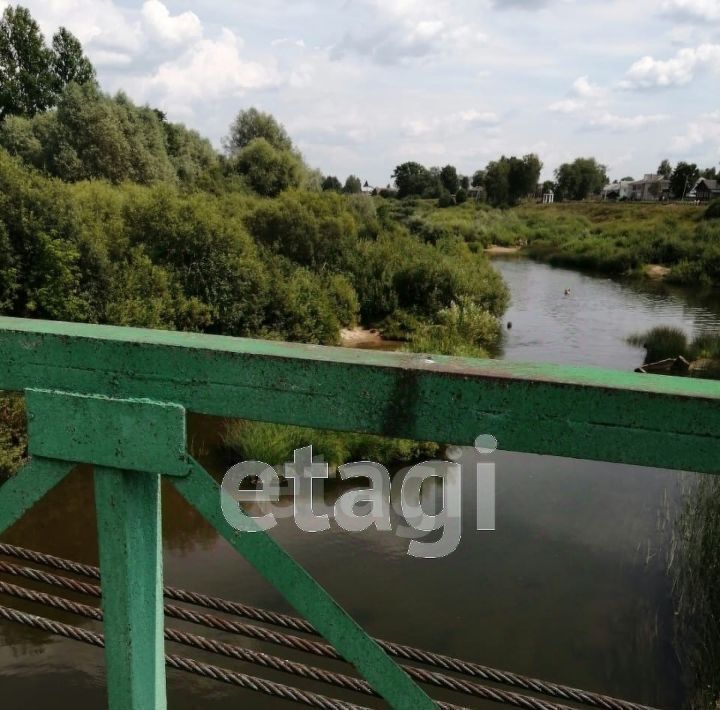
<point x="362" y="85"/>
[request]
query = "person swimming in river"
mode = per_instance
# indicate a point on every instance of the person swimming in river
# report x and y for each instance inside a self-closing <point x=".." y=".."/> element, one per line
<point x="567" y="291"/>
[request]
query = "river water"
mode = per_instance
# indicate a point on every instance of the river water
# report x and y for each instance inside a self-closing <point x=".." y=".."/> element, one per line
<point x="570" y="587"/>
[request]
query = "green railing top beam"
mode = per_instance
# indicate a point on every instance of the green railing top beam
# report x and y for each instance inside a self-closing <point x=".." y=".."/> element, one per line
<point x="550" y="409"/>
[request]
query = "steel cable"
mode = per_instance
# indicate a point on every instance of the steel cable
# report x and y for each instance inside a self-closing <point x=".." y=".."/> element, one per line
<point x="401" y="651"/>
<point x="279" y="664"/>
<point x="188" y="665"/>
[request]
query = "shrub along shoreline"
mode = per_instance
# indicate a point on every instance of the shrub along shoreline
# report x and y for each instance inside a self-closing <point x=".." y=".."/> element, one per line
<point x="630" y="239"/>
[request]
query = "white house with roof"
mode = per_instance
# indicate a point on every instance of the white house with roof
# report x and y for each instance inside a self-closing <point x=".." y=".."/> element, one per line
<point x="651" y="188"/>
<point x="618" y="190"/>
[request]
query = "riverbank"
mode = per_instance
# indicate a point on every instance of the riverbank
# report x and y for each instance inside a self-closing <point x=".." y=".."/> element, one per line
<point x="495" y="250"/>
<point x="367" y="339"/>
<point x="647" y="240"/>
<point x="655" y="241"/>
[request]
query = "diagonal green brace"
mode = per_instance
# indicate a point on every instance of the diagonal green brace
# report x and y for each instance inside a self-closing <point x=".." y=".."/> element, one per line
<point x="28" y="486"/>
<point x="307" y="596"/>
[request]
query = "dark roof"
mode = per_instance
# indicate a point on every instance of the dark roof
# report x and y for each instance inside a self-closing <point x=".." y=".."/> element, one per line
<point x="711" y="185"/>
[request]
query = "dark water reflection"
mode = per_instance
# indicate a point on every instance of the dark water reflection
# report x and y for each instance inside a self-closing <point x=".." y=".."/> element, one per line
<point x="571" y="587"/>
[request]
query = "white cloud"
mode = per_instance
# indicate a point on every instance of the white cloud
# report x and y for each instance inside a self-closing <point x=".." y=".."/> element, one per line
<point x="583" y="88"/>
<point x="450" y="124"/>
<point x="696" y="10"/>
<point x="210" y="69"/>
<point x="589" y="101"/>
<point x="582" y="96"/>
<point x="406" y="30"/>
<point x="704" y="133"/>
<point x="167" y="29"/>
<point x="650" y="73"/>
<point x="444" y="67"/>
<point x="110" y="58"/>
<point x="98" y="24"/>
<point x="567" y="106"/>
<point x="613" y="122"/>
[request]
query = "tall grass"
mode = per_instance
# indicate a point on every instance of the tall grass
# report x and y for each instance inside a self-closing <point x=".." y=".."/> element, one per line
<point x="667" y="341"/>
<point x="662" y="342"/>
<point x="275" y="443"/>
<point x="694" y="567"/>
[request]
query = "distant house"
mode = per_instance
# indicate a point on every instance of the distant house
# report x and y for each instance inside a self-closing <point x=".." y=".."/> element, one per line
<point x="618" y="190"/>
<point x="706" y="189"/>
<point x="367" y="189"/>
<point x="650" y="189"/>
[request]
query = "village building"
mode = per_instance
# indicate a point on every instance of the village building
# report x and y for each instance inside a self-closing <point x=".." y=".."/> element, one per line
<point x="706" y="189"/>
<point x="650" y="189"/>
<point x="618" y="190"/>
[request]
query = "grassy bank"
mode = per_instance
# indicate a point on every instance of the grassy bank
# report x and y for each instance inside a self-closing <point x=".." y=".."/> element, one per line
<point x="613" y="238"/>
<point x="694" y="566"/>
<point x="274" y="444"/>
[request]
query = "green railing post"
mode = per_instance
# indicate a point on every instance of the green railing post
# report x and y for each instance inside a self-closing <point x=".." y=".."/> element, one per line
<point x="128" y="515"/>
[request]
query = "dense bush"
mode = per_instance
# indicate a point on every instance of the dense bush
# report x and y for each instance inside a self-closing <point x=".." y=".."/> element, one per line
<point x="13" y="433"/>
<point x="713" y="210"/>
<point x="313" y="229"/>
<point x="268" y="170"/>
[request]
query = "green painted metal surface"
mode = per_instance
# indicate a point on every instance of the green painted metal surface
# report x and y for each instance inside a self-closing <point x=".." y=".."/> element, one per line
<point x="137" y="435"/>
<point x="649" y="420"/>
<point x="128" y="515"/>
<point x="116" y="398"/>
<point x="307" y="597"/>
<point x="28" y="486"/>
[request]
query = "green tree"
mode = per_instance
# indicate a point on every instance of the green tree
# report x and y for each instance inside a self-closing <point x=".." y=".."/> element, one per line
<point x="95" y="136"/>
<point x="252" y="124"/>
<point x="478" y="178"/>
<point x="26" y="81"/>
<point x="497" y="182"/>
<point x="411" y="178"/>
<point x="332" y="184"/>
<point x="665" y="169"/>
<point x="353" y="185"/>
<point x="579" y="179"/>
<point x="268" y="170"/>
<point x="18" y="137"/>
<point x="683" y="179"/>
<point x="449" y="179"/>
<point x="524" y="176"/>
<point x="69" y="63"/>
<point x="508" y="180"/>
<point x="192" y="156"/>
<point x="465" y="182"/>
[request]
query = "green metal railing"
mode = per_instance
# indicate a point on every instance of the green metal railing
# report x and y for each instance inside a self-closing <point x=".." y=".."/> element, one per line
<point x="117" y="398"/>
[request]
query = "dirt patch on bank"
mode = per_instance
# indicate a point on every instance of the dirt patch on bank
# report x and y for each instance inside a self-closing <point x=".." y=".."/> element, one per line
<point x="656" y="271"/>
<point x="495" y="249"/>
<point x="366" y="338"/>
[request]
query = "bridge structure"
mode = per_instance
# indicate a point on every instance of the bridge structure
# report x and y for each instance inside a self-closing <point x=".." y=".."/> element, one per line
<point x="117" y="399"/>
